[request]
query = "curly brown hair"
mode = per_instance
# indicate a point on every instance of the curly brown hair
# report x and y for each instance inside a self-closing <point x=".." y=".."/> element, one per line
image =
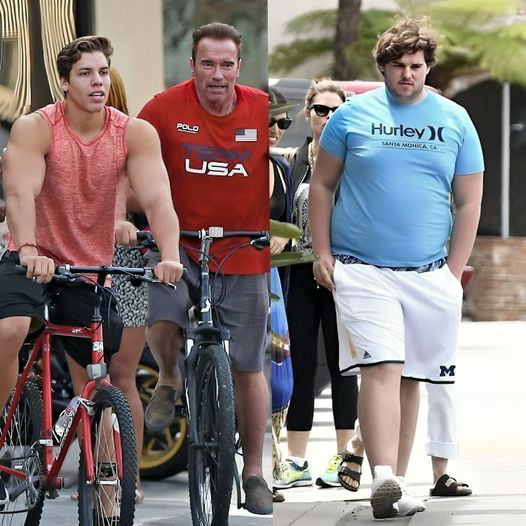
<point x="71" y="52"/>
<point x="408" y="35"/>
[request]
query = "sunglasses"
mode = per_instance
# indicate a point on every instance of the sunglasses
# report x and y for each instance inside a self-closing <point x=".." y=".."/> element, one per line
<point x="321" y="110"/>
<point x="282" y="123"/>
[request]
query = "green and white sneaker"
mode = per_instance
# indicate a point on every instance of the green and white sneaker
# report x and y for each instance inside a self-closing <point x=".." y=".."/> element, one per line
<point x="329" y="479"/>
<point x="293" y="475"/>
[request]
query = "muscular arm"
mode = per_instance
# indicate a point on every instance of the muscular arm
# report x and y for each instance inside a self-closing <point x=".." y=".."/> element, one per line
<point x="327" y="173"/>
<point x="149" y="181"/>
<point x="24" y="168"/>
<point x="467" y="194"/>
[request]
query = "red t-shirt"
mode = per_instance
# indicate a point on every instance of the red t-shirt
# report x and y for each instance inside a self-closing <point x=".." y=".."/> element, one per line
<point x="218" y="168"/>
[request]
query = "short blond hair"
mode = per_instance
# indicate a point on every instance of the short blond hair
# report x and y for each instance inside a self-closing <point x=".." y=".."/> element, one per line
<point x="322" y="86"/>
<point x="408" y="35"/>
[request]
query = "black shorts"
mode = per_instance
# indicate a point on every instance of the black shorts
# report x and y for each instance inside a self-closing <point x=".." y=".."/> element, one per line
<point x="71" y="305"/>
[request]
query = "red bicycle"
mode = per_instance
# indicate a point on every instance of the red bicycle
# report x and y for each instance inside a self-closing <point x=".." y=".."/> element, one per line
<point x="30" y="460"/>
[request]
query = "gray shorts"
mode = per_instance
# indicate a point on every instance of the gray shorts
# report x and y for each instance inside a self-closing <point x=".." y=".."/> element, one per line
<point x="243" y="310"/>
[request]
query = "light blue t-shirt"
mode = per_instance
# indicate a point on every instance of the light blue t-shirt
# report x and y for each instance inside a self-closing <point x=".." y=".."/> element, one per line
<point x="400" y="159"/>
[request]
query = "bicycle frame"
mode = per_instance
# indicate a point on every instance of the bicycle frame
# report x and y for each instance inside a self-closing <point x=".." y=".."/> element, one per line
<point x="97" y="371"/>
<point x="197" y="341"/>
<point x="205" y="333"/>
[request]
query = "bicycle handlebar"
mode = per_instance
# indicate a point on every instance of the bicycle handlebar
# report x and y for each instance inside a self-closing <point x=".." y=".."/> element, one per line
<point x="260" y="238"/>
<point x="73" y="273"/>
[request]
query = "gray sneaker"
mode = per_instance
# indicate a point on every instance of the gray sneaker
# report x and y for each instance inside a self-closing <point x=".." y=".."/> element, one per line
<point x="160" y="411"/>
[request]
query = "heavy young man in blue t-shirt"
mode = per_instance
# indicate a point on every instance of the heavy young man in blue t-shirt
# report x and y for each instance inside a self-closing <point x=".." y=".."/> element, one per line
<point x="400" y="152"/>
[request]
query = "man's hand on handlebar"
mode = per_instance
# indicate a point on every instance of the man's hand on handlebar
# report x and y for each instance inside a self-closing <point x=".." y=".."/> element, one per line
<point x="168" y="271"/>
<point x="39" y="268"/>
<point x="125" y="234"/>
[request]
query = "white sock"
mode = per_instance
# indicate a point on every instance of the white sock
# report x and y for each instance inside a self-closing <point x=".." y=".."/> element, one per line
<point x="298" y="460"/>
<point x="383" y="472"/>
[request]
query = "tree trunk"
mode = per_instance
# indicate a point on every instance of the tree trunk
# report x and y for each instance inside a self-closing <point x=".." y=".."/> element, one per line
<point x="347" y="32"/>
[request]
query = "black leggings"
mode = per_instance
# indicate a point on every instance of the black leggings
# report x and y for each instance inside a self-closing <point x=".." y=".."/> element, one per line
<point x="306" y="307"/>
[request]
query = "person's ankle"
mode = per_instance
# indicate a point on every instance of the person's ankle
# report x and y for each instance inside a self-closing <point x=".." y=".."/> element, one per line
<point x="383" y="471"/>
<point x="299" y="461"/>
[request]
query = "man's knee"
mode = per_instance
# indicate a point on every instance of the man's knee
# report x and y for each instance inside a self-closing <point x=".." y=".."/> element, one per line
<point x="249" y="379"/>
<point x="13" y="332"/>
<point x="164" y="334"/>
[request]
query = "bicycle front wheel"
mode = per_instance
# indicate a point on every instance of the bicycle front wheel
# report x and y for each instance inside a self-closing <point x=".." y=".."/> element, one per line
<point x="211" y="459"/>
<point x="109" y="500"/>
<point x="20" y="450"/>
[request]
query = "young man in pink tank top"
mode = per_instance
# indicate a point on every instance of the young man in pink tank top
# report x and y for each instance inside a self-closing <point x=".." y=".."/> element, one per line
<point x="61" y="170"/>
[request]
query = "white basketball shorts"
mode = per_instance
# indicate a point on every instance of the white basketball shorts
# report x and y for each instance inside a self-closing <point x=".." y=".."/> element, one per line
<point x="406" y="317"/>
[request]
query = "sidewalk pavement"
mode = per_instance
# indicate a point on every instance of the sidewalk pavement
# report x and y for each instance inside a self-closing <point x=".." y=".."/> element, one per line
<point x="491" y="397"/>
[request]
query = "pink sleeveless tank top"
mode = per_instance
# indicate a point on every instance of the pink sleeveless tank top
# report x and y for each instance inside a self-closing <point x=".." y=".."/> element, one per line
<point x="75" y="210"/>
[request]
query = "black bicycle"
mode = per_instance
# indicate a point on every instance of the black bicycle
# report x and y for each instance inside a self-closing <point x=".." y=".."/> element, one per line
<point x="209" y="389"/>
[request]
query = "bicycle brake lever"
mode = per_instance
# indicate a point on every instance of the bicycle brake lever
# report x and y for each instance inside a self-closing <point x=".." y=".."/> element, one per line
<point x="144" y="279"/>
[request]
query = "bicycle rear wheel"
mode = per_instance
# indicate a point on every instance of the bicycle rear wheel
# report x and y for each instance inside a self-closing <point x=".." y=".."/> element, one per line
<point x="110" y="499"/>
<point x="211" y="460"/>
<point x="21" y="451"/>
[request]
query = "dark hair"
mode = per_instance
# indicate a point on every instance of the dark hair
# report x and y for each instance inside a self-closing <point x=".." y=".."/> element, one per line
<point x="322" y="86"/>
<point x="71" y="52"/>
<point x="406" y="36"/>
<point x="216" y="31"/>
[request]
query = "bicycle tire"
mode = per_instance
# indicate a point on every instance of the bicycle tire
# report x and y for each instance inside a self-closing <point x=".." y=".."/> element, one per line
<point x="99" y="504"/>
<point x="21" y="443"/>
<point x="211" y="469"/>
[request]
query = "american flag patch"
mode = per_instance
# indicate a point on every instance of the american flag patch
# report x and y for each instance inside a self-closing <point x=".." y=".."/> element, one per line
<point x="246" y="134"/>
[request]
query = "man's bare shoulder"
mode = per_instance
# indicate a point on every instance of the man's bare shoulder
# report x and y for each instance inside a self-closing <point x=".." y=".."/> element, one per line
<point x="32" y="131"/>
<point x="139" y="133"/>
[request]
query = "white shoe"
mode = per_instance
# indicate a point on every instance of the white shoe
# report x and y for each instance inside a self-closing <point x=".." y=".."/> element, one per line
<point x="385" y="492"/>
<point x="408" y="505"/>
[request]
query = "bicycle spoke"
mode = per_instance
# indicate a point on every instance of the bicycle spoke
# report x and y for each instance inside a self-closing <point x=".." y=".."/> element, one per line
<point x="110" y="499"/>
<point x="18" y="452"/>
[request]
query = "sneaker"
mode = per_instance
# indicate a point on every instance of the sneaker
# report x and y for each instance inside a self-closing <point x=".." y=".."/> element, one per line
<point x="386" y="491"/>
<point x="4" y="495"/>
<point x="408" y="505"/>
<point x="294" y="475"/>
<point x="329" y="479"/>
<point x="160" y="412"/>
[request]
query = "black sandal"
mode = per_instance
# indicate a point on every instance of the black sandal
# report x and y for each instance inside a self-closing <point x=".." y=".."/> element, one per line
<point x="447" y="486"/>
<point x="344" y="471"/>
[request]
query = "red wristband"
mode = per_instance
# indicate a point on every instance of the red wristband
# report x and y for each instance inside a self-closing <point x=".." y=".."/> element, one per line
<point x="27" y="245"/>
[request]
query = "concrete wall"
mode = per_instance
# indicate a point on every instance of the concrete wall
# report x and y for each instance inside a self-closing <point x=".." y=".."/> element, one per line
<point x="135" y="28"/>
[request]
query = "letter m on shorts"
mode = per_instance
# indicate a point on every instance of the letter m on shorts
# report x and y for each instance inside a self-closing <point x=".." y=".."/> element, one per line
<point x="447" y="371"/>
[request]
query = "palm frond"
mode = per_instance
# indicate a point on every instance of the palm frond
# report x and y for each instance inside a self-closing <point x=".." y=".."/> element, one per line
<point x="286" y="57"/>
<point x="317" y="19"/>
<point x="290" y="258"/>
<point x="286" y="230"/>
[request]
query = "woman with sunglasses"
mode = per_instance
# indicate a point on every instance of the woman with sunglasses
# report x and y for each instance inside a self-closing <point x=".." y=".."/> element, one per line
<point x="307" y="307"/>
<point x="280" y="210"/>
